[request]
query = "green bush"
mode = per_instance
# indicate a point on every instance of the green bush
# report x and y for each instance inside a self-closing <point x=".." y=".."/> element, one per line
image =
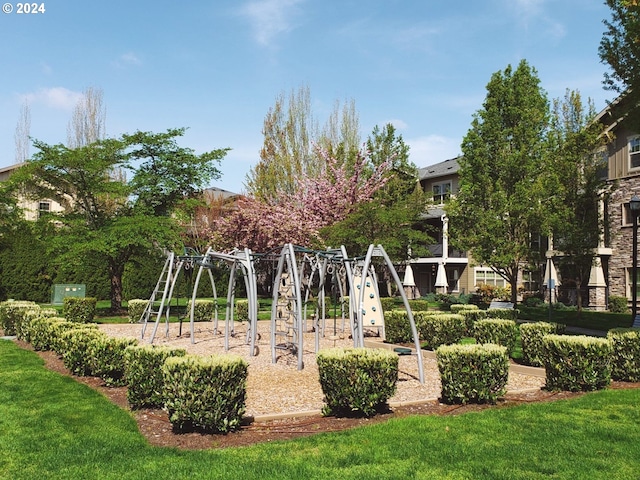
<point x="207" y="393"/>
<point x="80" y="310"/>
<point x="577" y="363"/>
<point x="503" y="313"/>
<point x="357" y="380"/>
<point x="107" y="358"/>
<point x="41" y="332"/>
<point x="143" y="373"/>
<point x="472" y="373"/>
<point x="440" y="328"/>
<point x="58" y="341"/>
<point x="396" y="326"/>
<point x="531" y="334"/>
<point x="388" y="303"/>
<point x="242" y="310"/>
<point x="625" y="357"/>
<point x="497" y="331"/>
<point x="618" y="304"/>
<point x="471" y="316"/>
<point x="77" y="351"/>
<point x="419" y="305"/>
<point x="23" y="327"/>
<point x="12" y="312"/>
<point x="460" y="307"/>
<point x="135" y="309"/>
<point x="204" y="309"/>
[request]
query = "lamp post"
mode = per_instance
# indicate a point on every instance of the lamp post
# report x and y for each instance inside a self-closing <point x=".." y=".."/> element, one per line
<point x="634" y="206"/>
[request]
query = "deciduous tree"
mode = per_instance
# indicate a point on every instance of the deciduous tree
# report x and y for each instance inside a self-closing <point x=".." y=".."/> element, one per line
<point x="501" y="197"/>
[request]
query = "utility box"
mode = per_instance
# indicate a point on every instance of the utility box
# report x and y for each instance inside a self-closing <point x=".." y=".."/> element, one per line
<point x="59" y="292"/>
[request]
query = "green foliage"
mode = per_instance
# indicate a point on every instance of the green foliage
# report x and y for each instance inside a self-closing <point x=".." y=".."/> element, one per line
<point x="107" y="357"/>
<point x="143" y="373"/>
<point x="472" y="373"/>
<point x="419" y="305"/>
<point x="531" y="334"/>
<point x="396" y="326"/>
<point x="135" y="309"/>
<point x="40" y="332"/>
<point x="141" y="275"/>
<point x="502" y="199"/>
<point x="25" y="274"/>
<point x="388" y="303"/>
<point x="577" y="363"/>
<point x="242" y="310"/>
<point x="357" y="380"/>
<point x="503" y="313"/>
<point x="81" y="310"/>
<point x="437" y="329"/>
<point x="11" y="314"/>
<point x="460" y="307"/>
<point x="77" y="355"/>
<point x="204" y="309"/>
<point x="625" y="357"/>
<point x="618" y="304"/>
<point x="206" y="393"/>
<point x="23" y="326"/>
<point x="87" y="270"/>
<point x="471" y="316"/>
<point x="496" y="331"/>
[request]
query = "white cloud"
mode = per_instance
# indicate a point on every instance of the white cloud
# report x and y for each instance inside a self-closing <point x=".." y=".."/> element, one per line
<point x="270" y="18"/>
<point x="396" y="122"/>
<point x="432" y="149"/>
<point x="127" y="59"/>
<point x="57" y="97"/>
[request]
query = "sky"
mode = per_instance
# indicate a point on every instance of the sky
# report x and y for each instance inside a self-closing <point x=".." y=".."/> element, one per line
<point x="217" y="66"/>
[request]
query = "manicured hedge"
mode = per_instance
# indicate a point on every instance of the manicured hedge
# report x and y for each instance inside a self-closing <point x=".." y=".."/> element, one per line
<point x="625" y="356"/>
<point x="81" y="310"/>
<point x="357" y="381"/>
<point x="207" y="393"/>
<point x="143" y="373"/>
<point x="107" y="358"/>
<point x="531" y="334"/>
<point x="439" y="329"/>
<point x="497" y="331"/>
<point x="77" y="351"/>
<point x="577" y="363"/>
<point x="396" y="326"/>
<point x="11" y="313"/>
<point x="204" y="309"/>
<point x="135" y="309"/>
<point x="472" y="373"/>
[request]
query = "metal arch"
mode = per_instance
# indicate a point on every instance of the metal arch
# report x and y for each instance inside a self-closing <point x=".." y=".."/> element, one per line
<point x="378" y="251"/>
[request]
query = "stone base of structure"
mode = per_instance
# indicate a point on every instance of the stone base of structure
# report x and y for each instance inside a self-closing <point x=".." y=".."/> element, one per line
<point x="597" y="298"/>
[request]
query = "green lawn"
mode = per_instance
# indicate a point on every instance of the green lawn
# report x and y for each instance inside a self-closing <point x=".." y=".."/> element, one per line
<point x="52" y="427"/>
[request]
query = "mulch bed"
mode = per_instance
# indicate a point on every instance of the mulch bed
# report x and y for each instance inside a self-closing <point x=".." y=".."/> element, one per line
<point x="155" y="425"/>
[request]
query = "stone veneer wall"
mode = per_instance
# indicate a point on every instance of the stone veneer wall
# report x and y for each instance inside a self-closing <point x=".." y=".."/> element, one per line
<point x="621" y="237"/>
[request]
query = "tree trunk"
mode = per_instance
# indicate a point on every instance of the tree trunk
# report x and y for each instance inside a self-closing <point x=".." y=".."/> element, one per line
<point x="115" y="273"/>
<point x="513" y="281"/>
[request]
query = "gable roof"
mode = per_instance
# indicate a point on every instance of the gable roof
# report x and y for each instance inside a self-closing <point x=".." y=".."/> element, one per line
<point x="442" y="169"/>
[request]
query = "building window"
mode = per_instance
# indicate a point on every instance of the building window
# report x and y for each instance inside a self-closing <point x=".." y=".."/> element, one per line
<point x="634" y="152"/>
<point x="441" y="192"/>
<point x="529" y="281"/>
<point x="629" y="277"/>
<point x="627" y="216"/>
<point x="487" y="276"/>
<point x="44" y="208"/>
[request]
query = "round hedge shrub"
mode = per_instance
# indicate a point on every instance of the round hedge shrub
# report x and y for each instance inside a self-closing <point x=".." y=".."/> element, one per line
<point x="625" y="356"/>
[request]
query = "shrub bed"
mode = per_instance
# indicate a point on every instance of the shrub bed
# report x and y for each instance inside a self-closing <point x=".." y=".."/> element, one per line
<point x="503" y="313"/>
<point x="440" y="329"/>
<point x="531" y="334"/>
<point x="204" y="309"/>
<point x="625" y="356"/>
<point x="207" y="393"/>
<point x="419" y="305"/>
<point x="242" y="311"/>
<point x="77" y="351"/>
<point x="81" y="310"/>
<point x="357" y="381"/>
<point x="23" y="327"/>
<point x="143" y="373"/>
<point x="11" y="313"/>
<point x="41" y="332"/>
<point x="107" y="358"/>
<point x="577" y="363"/>
<point x="472" y="373"/>
<point x="459" y="307"/>
<point x="396" y="326"/>
<point x="496" y="331"/>
<point x="135" y="309"/>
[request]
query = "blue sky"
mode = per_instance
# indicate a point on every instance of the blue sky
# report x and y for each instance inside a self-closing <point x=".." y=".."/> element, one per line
<point x="217" y="66"/>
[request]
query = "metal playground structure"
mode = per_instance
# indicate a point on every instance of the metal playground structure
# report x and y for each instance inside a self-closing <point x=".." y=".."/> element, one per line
<point x="300" y="278"/>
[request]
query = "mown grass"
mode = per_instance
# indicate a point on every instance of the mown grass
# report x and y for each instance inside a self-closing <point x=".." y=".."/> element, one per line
<point x="52" y="427"/>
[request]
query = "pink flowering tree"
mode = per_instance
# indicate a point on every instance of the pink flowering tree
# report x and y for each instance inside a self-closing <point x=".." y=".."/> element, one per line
<point x="298" y="217"/>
